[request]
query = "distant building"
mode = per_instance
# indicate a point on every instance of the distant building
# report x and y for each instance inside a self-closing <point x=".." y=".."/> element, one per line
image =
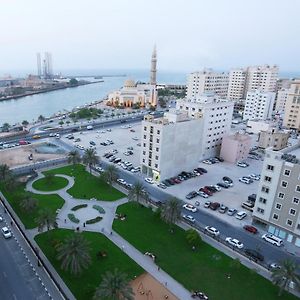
<point x="259" y="105"/>
<point x="217" y="118"/>
<point x="256" y="126"/>
<point x="170" y="144"/>
<point x="207" y="81"/>
<point x="292" y="107"/>
<point x="280" y="101"/>
<point x="277" y="204"/>
<point x="237" y="84"/>
<point x="273" y="138"/>
<point x="235" y="147"/>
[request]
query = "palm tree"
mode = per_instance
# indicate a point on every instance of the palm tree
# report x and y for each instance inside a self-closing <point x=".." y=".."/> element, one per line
<point x="46" y="218"/>
<point x="74" y="253"/>
<point x="285" y="275"/>
<point x="10" y="182"/>
<point x="137" y="192"/>
<point x="41" y="118"/>
<point x="90" y="158"/>
<point x="192" y="237"/>
<point x="28" y="204"/>
<point x="4" y="172"/>
<point x="74" y="157"/>
<point x="25" y="123"/>
<point x="5" y="127"/>
<point x="171" y="209"/>
<point x="114" y="286"/>
<point x="110" y="174"/>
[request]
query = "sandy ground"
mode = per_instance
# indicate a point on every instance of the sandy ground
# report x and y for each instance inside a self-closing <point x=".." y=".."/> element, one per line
<point x="19" y="156"/>
<point x="146" y="287"/>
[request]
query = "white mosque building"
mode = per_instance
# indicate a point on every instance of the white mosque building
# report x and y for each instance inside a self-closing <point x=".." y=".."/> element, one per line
<point x="137" y="94"/>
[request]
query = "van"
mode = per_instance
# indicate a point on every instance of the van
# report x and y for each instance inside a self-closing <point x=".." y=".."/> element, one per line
<point x="272" y="239"/>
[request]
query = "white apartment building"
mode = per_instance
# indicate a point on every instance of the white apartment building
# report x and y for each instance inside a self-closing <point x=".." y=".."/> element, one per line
<point x="217" y="117"/>
<point x="281" y="100"/>
<point x="244" y="80"/>
<point x="170" y="144"/>
<point x="278" y="197"/>
<point x="259" y="105"/>
<point x="207" y="81"/>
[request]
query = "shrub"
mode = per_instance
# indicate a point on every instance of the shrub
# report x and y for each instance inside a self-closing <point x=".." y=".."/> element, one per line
<point x="95" y="220"/>
<point x="73" y="218"/>
<point x="99" y="208"/>
<point x="78" y="207"/>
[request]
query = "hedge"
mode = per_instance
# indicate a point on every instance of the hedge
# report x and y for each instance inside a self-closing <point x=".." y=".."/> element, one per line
<point x="73" y="218"/>
<point x="95" y="220"/>
<point x="99" y="208"/>
<point x="78" y="207"/>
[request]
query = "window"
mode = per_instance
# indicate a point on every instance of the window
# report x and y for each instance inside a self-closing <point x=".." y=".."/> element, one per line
<point x="157" y="149"/>
<point x="265" y="189"/>
<point x="292" y="211"/>
<point x="143" y="160"/>
<point x="144" y="152"/>
<point x="145" y="136"/>
<point x="284" y="184"/>
<point x="275" y="216"/>
<point x="296" y="200"/>
<point x="270" y="167"/>
<point x="278" y="206"/>
<point x="268" y="178"/>
<point x="289" y="222"/>
<point x="144" y="144"/>
<point x="281" y="195"/>
<point x="158" y="131"/>
<point x="287" y="172"/>
<point x="298" y="188"/>
<point x="262" y="200"/>
<point x="156" y="166"/>
<point x="156" y="157"/>
<point x="157" y="140"/>
<point x="260" y="210"/>
<point x="145" y="128"/>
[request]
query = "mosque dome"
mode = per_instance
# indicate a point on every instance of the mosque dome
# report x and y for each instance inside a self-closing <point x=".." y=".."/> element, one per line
<point x="129" y="83"/>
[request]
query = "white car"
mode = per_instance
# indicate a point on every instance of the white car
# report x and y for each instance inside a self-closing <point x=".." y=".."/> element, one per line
<point x="121" y="181"/>
<point x="6" y="233"/>
<point x="189" y="218"/>
<point x="202" y="194"/>
<point x="244" y="180"/>
<point x="207" y="204"/>
<point x="162" y="186"/>
<point x="99" y="169"/>
<point x="218" y="188"/>
<point x="206" y="161"/>
<point x="254" y="176"/>
<point x="242" y="164"/>
<point x="212" y="230"/>
<point x="234" y="242"/>
<point x="135" y="170"/>
<point x="241" y="215"/>
<point x="190" y="207"/>
<point x="149" y="180"/>
<point x="1" y="219"/>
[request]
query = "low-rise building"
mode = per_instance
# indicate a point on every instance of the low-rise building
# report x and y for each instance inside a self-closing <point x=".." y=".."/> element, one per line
<point x="277" y="139"/>
<point x="235" y="147"/>
<point x="256" y="126"/>
<point x="277" y="205"/>
<point x="170" y="144"/>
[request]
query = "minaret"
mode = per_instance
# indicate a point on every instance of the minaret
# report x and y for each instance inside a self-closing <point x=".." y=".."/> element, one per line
<point x="153" y="67"/>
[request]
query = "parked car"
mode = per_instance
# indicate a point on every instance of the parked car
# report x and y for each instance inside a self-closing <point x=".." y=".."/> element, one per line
<point x="92" y="143"/>
<point x="202" y="170"/>
<point x="234" y="242"/>
<point x="207" y="204"/>
<point x="6" y="232"/>
<point x="242" y="164"/>
<point x="99" y="169"/>
<point x="191" y="195"/>
<point x="189" y="218"/>
<point x="250" y="228"/>
<point x="214" y="205"/>
<point x="149" y="180"/>
<point x="227" y="179"/>
<point x="206" y="191"/>
<point x="212" y="230"/>
<point x="162" y="186"/>
<point x="274" y="266"/>
<point x="231" y="211"/>
<point x="223" y="185"/>
<point x="244" y="180"/>
<point x="189" y="207"/>
<point x="254" y="176"/>
<point x="222" y="209"/>
<point x="121" y="181"/>
<point x="271" y="238"/>
<point x="207" y="161"/>
<point x="202" y="194"/>
<point x="254" y="254"/>
<point x="241" y="215"/>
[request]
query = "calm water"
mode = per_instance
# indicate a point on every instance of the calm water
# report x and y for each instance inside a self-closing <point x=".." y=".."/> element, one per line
<point x="30" y="107"/>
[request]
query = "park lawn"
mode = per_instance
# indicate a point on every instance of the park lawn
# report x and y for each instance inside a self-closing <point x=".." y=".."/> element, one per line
<point x="52" y="202"/>
<point x="55" y="184"/>
<point x="86" y="185"/>
<point x="83" y="286"/>
<point x="204" y="269"/>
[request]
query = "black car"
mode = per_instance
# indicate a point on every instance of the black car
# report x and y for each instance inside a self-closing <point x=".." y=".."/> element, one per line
<point x="202" y="170"/>
<point x="254" y="254"/>
<point x="211" y="188"/>
<point x="225" y="178"/>
<point x="170" y="181"/>
<point x="191" y="195"/>
<point x="223" y="185"/>
<point x="166" y="182"/>
<point x="92" y="143"/>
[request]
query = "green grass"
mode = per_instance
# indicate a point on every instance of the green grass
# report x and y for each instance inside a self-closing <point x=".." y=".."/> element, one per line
<point x="83" y="286"/>
<point x="56" y="183"/>
<point x="88" y="186"/>
<point x="52" y="202"/>
<point x="196" y="270"/>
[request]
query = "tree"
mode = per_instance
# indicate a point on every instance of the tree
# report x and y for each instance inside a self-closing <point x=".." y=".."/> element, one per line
<point x="10" y="182"/>
<point x="192" y="237"/>
<point x="41" y="118"/>
<point x="5" y="127"/>
<point x="74" y="157"/>
<point x="171" y="209"/>
<point x="73" y="81"/>
<point x="110" y="174"/>
<point x="137" y="192"/>
<point x="61" y="123"/>
<point x="114" y="286"/>
<point x="74" y="253"/>
<point x="5" y="172"/>
<point x="25" y="123"/>
<point x="28" y="204"/>
<point x="46" y="218"/>
<point x="90" y="158"/>
<point x="285" y="275"/>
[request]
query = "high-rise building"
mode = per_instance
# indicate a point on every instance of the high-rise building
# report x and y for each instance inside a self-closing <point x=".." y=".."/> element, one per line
<point x="207" y="81"/>
<point x="153" y="67"/>
<point x="217" y="117"/>
<point x="259" y="105"/>
<point x="242" y="81"/>
<point x="39" y="64"/>
<point x="280" y="101"/>
<point x="292" y="107"/>
<point x="277" y="204"/>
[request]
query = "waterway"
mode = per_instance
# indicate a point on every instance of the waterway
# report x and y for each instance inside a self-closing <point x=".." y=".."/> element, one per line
<point x="46" y="104"/>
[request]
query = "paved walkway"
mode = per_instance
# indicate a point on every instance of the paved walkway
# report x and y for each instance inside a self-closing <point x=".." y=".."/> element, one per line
<point x="105" y="227"/>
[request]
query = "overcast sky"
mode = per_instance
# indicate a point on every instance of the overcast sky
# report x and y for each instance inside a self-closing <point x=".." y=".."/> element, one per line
<point x="120" y="34"/>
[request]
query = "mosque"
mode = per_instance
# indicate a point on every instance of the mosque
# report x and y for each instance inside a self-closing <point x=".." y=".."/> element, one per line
<point x="134" y="94"/>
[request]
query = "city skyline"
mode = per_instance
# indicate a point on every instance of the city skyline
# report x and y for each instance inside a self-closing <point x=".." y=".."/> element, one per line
<point x="189" y="37"/>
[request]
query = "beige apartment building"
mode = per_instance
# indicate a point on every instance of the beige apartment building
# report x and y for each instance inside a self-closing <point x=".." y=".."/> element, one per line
<point x="277" y="204"/>
<point x="235" y="147"/>
<point x="292" y="107"/>
<point x="273" y="138"/>
<point x="280" y="100"/>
